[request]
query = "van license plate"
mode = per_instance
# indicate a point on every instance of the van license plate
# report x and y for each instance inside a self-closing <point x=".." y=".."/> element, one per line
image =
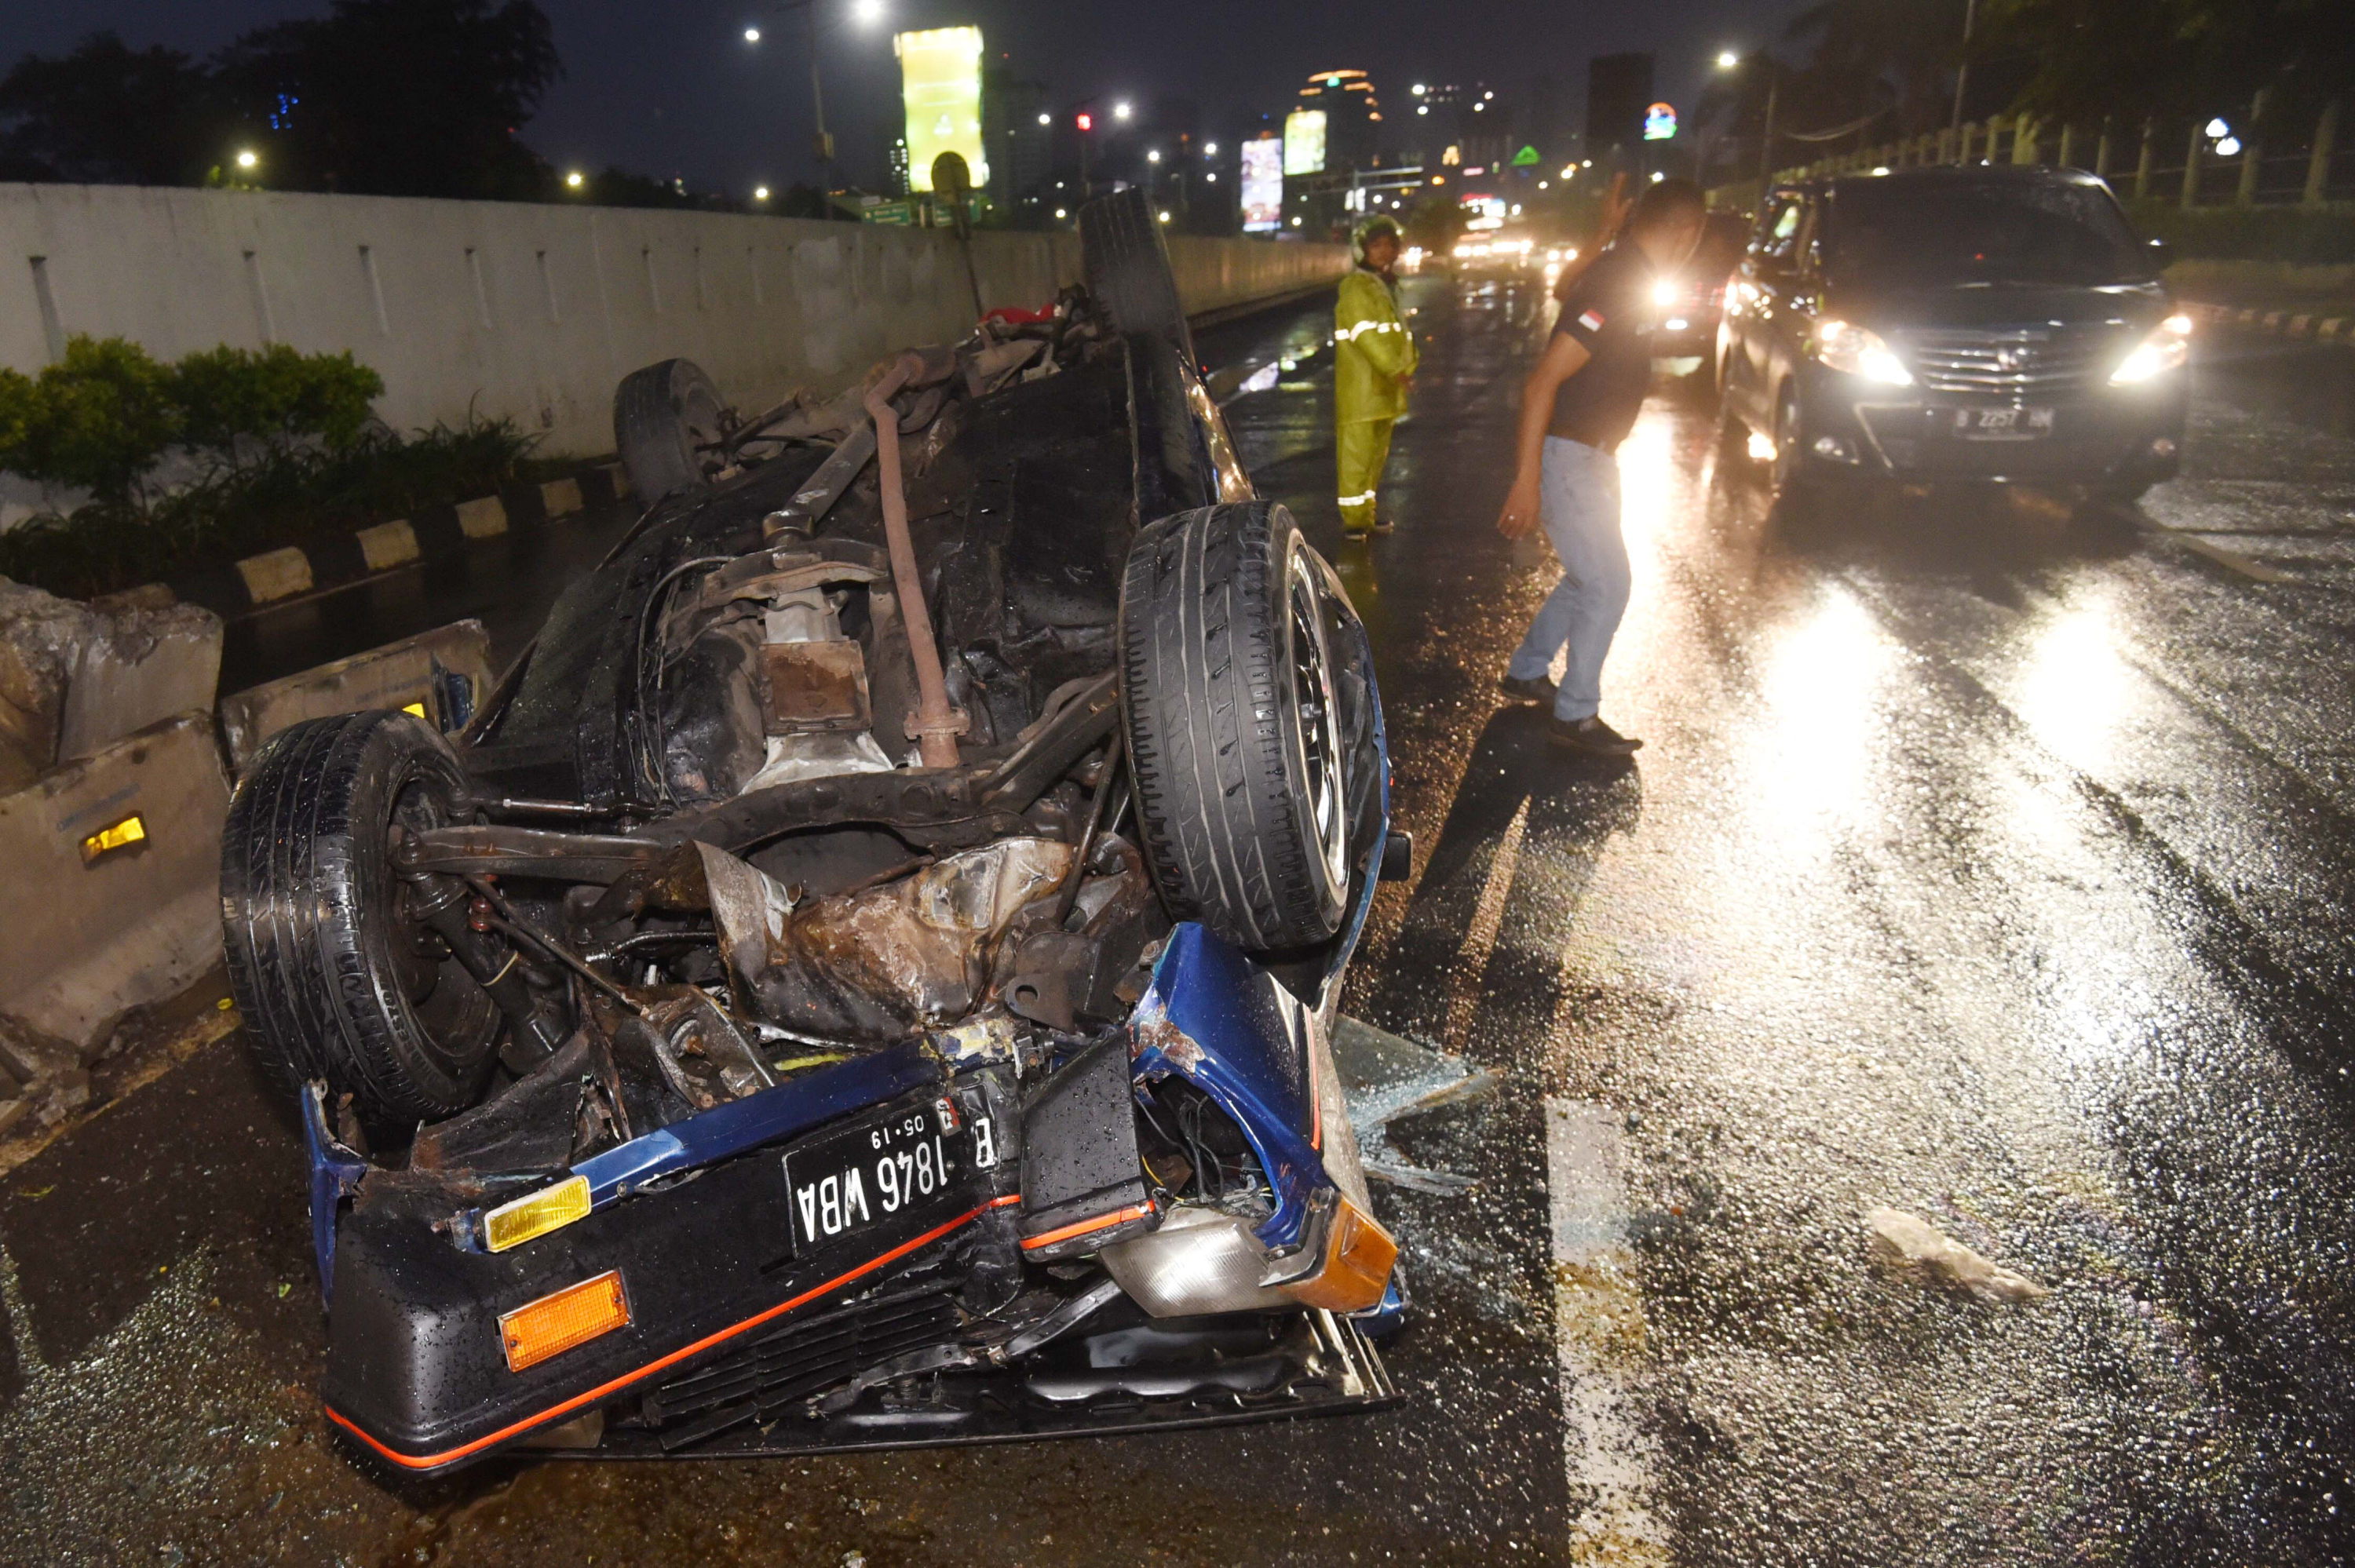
<point x="2003" y="424"/>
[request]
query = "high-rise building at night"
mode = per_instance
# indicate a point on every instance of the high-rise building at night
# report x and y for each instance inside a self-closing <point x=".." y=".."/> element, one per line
<point x="1020" y="142"/>
<point x="1353" y="117"/>
<point x="1455" y="125"/>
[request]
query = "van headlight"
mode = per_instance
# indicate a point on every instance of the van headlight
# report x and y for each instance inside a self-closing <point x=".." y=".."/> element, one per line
<point x="1859" y="351"/>
<point x="2167" y="348"/>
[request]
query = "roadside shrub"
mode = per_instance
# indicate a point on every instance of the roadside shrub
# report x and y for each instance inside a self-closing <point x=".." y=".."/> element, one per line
<point x="276" y="397"/>
<point x="97" y="420"/>
<point x="276" y="499"/>
<point x="105" y="416"/>
<point x="16" y="416"/>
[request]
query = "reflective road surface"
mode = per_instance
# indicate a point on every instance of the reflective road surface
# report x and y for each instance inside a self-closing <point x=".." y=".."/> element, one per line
<point x="1987" y="861"/>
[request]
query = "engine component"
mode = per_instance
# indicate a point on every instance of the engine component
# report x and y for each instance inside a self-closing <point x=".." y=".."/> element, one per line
<point x="1082" y="1184"/>
<point x="884" y="962"/>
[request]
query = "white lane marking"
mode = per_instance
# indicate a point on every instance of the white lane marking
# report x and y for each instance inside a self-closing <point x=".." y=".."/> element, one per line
<point x="1607" y="1455"/>
<point x="2231" y="560"/>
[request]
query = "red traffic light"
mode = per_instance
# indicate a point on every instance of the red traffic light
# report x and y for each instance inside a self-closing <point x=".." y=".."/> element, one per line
<point x="1087" y="122"/>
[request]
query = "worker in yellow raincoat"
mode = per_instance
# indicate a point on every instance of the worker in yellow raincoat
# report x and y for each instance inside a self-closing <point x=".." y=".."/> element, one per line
<point x="1374" y="362"/>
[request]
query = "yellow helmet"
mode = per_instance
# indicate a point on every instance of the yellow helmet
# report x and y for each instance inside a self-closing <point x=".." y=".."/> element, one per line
<point x="1380" y="223"/>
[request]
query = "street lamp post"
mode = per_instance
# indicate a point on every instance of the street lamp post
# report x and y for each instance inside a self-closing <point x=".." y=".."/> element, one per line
<point x="822" y="141"/>
<point x="1729" y="61"/>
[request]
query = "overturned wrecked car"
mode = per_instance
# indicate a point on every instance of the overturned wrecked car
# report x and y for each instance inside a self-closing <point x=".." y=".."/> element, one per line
<point x="863" y="977"/>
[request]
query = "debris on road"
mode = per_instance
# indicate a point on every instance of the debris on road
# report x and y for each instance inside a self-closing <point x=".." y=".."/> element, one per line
<point x="1902" y="1238"/>
<point x="1385" y="1078"/>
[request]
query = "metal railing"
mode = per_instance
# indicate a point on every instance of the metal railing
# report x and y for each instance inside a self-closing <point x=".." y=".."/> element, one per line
<point x="2157" y="161"/>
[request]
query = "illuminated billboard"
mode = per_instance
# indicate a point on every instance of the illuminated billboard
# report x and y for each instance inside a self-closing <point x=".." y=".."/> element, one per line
<point x="1660" y="123"/>
<point x="1303" y="142"/>
<point x="1263" y="185"/>
<point x="940" y="72"/>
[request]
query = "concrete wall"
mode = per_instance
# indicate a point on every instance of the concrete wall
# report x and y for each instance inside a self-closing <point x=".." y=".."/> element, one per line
<point x="533" y="311"/>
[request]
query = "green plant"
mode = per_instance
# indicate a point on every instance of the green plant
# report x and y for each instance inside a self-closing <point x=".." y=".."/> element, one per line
<point x="275" y="396"/>
<point x="16" y="416"/>
<point x="98" y="419"/>
<point x="275" y="499"/>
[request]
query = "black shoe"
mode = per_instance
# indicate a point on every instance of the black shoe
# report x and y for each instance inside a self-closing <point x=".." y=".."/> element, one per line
<point x="1384" y="526"/>
<point x="1591" y="736"/>
<point x="1536" y="689"/>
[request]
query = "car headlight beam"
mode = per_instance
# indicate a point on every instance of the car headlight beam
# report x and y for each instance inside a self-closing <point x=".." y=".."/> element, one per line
<point x="1858" y="351"/>
<point x="2166" y="348"/>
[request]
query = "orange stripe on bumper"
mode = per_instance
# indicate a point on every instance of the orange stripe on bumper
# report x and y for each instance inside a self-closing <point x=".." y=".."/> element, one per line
<point x="1065" y="1232"/>
<point x="556" y="1412"/>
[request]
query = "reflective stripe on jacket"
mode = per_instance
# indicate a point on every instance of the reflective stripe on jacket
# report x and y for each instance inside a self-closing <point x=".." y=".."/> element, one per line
<point x="1373" y="351"/>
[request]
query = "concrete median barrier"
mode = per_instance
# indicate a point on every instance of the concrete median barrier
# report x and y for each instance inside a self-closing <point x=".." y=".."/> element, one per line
<point x="112" y="868"/>
<point x="75" y="678"/>
<point x="442" y="675"/>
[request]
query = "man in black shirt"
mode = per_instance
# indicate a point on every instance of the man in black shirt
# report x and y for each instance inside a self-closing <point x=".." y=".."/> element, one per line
<point x="1577" y="406"/>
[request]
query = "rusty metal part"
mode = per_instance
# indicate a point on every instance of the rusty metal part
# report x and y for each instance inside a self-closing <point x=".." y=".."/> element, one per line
<point x="1106" y="783"/>
<point x="510" y="805"/>
<point x="513" y="928"/>
<point x="815" y="686"/>
<point x="440" y="905"/>
<point x="475" y="850"/>
<point x="884" y="963"/>
<point x="1047" y="756"/>
<point x="936" y="725"/>
<point x="1044" y="997"/>
<point x="931" y="811"/>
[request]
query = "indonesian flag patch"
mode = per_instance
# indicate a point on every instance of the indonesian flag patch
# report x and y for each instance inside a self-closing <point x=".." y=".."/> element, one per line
<point x="1590" y="320"/>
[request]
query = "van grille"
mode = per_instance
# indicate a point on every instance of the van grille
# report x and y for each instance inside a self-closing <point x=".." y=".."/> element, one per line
<point x="2020" y="362"/>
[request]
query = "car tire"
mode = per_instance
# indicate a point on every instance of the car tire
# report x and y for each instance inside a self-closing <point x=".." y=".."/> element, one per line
<point x="1233" y="733"/>
<point x="662" y="414"/>
<point x="1793" y="485"/>
<point x="1126" y="263"/>
<point x="331" y="983"/>
<point x="1732" y="433"/>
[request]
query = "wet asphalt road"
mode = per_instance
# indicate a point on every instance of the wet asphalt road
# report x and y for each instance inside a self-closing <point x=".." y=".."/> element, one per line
<point x="1984" y="861"/>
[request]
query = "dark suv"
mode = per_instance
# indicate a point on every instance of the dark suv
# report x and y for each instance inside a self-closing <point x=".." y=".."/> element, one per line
<point x="1955" y="323"/>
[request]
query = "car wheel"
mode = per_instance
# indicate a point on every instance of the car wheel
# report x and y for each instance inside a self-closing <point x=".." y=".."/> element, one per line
<point x="1235" y="736"/>
<point x="1126" y="262"/>
<point x="662" y="414"/>
<point x="1732" y="433"/>
<point x="1793" y="485"/>
<point x="334" y="979"/>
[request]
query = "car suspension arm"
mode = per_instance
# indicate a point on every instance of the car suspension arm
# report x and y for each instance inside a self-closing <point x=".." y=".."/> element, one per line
<point x="936" y="726"/>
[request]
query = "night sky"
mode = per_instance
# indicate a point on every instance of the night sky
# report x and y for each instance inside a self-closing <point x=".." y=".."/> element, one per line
<point x="669" y="88"/>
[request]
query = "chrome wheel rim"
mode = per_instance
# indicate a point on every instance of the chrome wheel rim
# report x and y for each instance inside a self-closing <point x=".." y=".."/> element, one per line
<point x="1318" y="722"/>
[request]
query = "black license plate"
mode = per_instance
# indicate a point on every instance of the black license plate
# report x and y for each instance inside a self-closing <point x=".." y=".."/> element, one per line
<point x="911" y="1161"/>
<point x="2003" y="424"/>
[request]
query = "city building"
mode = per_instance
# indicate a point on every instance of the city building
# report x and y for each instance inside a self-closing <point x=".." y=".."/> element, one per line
<point x="1018" y="133"/>
<point x="1456" y="125"/>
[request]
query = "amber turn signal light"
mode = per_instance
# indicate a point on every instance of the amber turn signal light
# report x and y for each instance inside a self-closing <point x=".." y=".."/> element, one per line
<point x="554" y="1324"/>
<point x="1358" y="1254"/>
<point x="131" y="829"/>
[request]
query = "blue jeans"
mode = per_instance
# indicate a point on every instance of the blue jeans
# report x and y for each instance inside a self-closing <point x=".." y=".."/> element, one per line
<point x="1579" y="508"/>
